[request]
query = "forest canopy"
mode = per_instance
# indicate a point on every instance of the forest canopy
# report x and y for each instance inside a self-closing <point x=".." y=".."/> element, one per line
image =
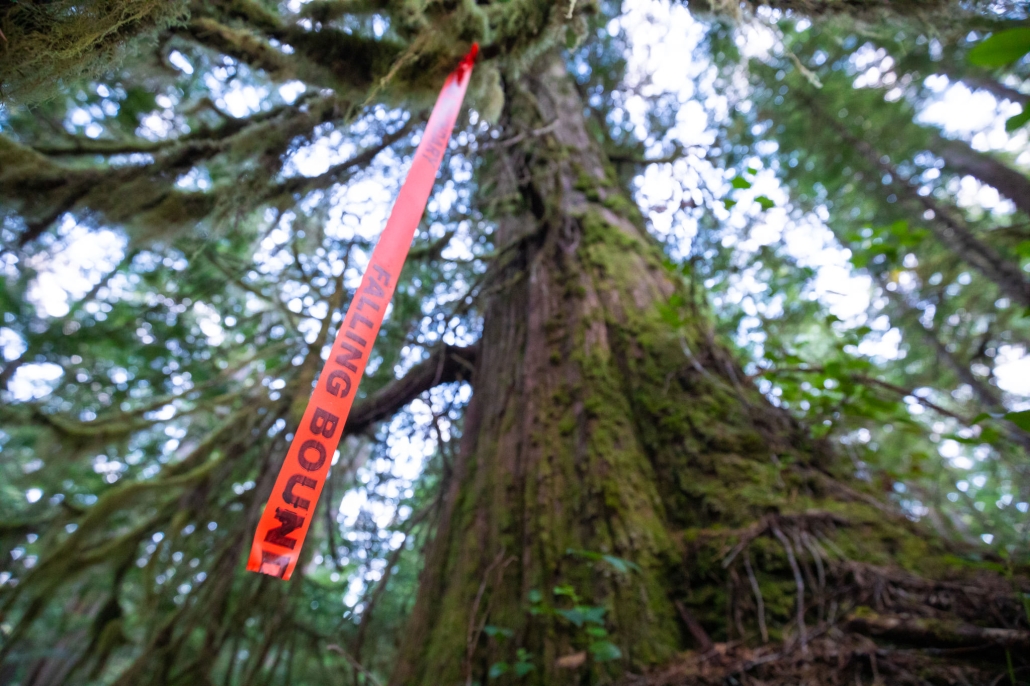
<point x="709" y="362"/>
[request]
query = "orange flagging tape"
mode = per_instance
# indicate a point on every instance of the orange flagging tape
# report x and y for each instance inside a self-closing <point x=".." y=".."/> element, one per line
<point x="287" y="516"/>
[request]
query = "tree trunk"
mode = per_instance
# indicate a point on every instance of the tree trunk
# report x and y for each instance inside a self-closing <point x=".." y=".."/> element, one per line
<point x="962" y="159"/>
<point x="606" y="421"/>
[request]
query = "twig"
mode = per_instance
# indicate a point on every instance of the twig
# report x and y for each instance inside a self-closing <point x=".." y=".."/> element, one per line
<point x="799" y="580"/>
<point x="353" y="663"/>
<point x="750" y="534"/>
<point x="869" y="381"/>
<point x="813" y="547"/>
<point x="518" y="138"/>
<point x="758" y="597"/>
<point x="472" y="637"/>
<point x="695" y="628"/>
<point x="391" y="562"/>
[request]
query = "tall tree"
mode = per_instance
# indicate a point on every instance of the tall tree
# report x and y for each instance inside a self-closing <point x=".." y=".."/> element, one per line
<point x="620" y="488"/>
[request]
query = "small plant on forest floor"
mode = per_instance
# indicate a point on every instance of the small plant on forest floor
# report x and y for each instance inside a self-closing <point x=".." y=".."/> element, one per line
<point x="522" y="666"/>
<point x="587" y="619"/>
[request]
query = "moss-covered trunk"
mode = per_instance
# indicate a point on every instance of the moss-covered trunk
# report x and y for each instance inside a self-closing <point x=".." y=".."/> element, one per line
<point x="621" y="484"/>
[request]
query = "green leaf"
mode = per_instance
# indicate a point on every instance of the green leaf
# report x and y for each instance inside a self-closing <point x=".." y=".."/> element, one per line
<point x="523" y="668"/>
<point x="565" y="590"/>
<point x="605" y="651"/>
<point x="728" y="203"/>
<point x="491" y="630"/>
<point x="671" y="317"/>
<point x="588" y="554"/>
<point x="535" y="596"/>
<point x="497" y="669"/>
<point x="1002" y="48"/>
<point x="583" y="614"/>
<point x="1020" y="419"/>
<point x="740" y="182"/>
<point x="1016" y="121"/>
<point x="752" y="171"/>
<point x="765" y="202"/>
<point x="964" y="441"/>
<point x="593" y="615"/>
<point x="989" y="434"/>
<point x="620" y="565"/>
<point x="597" y="631"/>
<point x="573" y="615"/>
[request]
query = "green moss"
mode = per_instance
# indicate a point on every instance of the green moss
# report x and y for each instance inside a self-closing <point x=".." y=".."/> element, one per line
<point x="50" y="45"/>
<point x="584" y="181"/>
<point x="606" y="242"/>
<point x="621" y="205"/>
<point x="25" y="165"/>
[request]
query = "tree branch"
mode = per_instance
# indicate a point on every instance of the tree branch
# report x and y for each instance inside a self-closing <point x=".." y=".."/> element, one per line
<point x="996" y="88"/>
<point x="305" y="184"/>
<point x="78" y="145"/>
<point x="962" y="158"/>
<point x="948" y="226"/>
<point x="869" y="381"/>
<point x="936" y="632"/>
<point x="447" y="364"/>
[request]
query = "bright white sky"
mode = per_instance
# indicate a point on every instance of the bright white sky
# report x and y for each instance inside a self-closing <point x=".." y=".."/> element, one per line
<point x="663" y="39"/>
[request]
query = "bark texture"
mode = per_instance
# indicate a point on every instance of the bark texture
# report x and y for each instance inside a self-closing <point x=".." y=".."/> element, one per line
<point x="607" y="421"/>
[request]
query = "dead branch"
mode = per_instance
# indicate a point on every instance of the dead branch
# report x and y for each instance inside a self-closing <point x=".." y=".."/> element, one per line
<point x="936" y="632"/>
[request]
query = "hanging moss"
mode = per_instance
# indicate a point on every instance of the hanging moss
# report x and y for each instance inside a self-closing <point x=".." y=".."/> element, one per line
<point x="24" y="165"/>
<point x="53" y="44"/>
<point x="486" y="93"/>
